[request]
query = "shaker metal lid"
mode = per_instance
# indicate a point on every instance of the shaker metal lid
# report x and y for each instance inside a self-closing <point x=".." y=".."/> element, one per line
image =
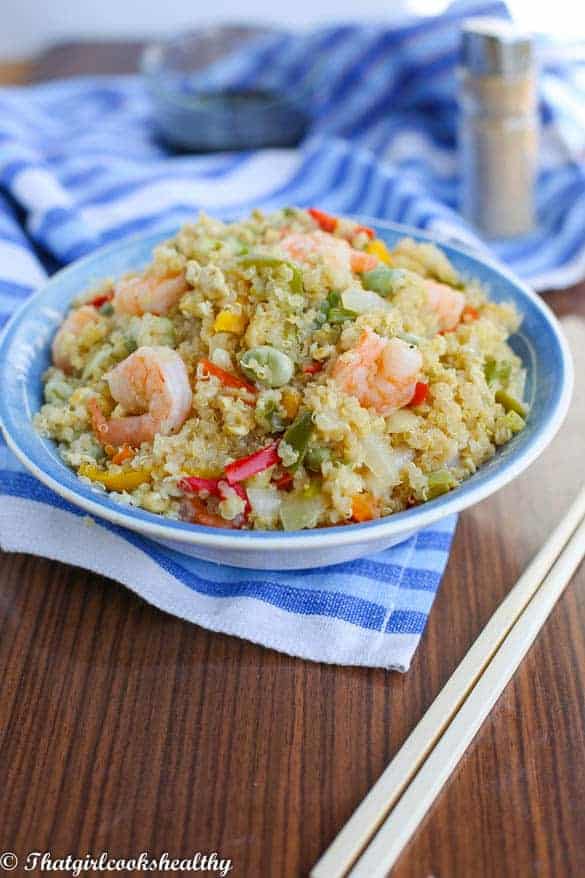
<point x="495" y="46"/>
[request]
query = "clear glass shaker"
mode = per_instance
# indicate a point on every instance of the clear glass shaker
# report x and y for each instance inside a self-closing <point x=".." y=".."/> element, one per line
<point x="498" y="127"/>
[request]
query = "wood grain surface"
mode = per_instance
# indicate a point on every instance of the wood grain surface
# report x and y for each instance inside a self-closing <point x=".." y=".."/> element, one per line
<point x="123" y="730"/>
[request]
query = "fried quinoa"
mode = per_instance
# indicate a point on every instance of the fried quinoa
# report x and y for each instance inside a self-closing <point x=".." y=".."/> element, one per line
<point x="283" y="372"/>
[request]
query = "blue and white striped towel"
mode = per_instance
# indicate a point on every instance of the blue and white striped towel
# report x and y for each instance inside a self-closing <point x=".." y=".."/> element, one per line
<point x="79" y="167"/>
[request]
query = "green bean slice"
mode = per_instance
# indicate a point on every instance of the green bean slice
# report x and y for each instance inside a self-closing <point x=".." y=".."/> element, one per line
<point x="298" y="436"/>
<point x="497" y="371"/>
<point x="252" y="261"/>
<point x="316" y="456"/>
<point x="439" y="483"/>
<point x="510" y="403"/>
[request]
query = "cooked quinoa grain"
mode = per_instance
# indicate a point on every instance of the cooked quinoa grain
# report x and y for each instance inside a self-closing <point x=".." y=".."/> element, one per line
<point x="288" y="371"/>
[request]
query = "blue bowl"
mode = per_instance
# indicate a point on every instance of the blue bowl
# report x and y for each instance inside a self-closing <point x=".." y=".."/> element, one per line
<point x="25" y="354"/>
<point x="193" y="113"/>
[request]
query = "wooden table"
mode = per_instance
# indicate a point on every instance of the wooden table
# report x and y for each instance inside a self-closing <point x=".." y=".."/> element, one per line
<point x="124" y="730"/>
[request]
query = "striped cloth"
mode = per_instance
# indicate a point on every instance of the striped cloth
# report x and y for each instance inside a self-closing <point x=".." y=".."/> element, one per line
<point x="80" y="167"/>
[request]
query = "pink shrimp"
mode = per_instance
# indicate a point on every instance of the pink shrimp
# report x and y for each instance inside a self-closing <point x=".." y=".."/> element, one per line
<point x="148" y="294"/>
<point x="447" y="303"/>
<point x="72" y="326"/>
<point x="152" y="385"/>
<point x="381" y="373"/>
<point x="335" y="252"/>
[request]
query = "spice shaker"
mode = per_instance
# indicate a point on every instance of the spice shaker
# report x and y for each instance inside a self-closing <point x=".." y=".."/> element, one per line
<point x="498" y="127"/>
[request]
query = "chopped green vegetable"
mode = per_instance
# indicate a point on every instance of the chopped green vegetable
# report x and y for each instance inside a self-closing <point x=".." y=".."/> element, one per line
<point x="260" y="262"/>
<point x="340" y="315"/>
<point x="497" y="371"/>
<point x="267" y="365"/>
<point x="382" y="280"/>
<point x="514" y="421"/>
<point x="333" y="301"/>
<point x="130" y="343"/>
<point x="316" y="456"/>
<point x="297" y="436"/>
<point x="510" y="403"/>
<point x="332" y="310"/>
<point x="440" y="482"/>
<point x="107" y="309"/>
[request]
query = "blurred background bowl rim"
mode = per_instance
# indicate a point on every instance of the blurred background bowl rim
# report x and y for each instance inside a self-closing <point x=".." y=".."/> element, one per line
<point x="151" y="67"/>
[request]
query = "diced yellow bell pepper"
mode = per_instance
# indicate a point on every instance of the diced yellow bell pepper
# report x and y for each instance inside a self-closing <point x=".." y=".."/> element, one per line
<point x="228" y="321"/>
<point x="291" y="401"/>
<point x="124" y="481"/>
<point x="378" y="248"/>
<point x="202" y="472"/>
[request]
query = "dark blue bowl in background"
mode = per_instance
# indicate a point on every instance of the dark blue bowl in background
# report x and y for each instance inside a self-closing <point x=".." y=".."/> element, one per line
<point x="196" y="106"/>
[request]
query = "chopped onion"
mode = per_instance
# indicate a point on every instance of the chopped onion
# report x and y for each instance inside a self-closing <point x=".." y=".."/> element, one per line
<point x="384" y="462"/>
<point x="298" y="511"/>
<point x="402" y="421"/>
<point x="265" y="502"/>
<point x="363" y="301"/>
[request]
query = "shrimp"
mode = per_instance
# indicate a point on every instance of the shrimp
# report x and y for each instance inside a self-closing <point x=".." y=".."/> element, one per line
<point x="72" y="326"/>
<point x="152" y="385"/>
<point x="148" y="294"/>
<point x="381" y="373"/>
<point x="446" y="302"/>
<point x="336" y="252"/>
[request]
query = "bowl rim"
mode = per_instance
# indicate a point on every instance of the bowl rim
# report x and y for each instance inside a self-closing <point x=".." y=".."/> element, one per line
<point x="407" y="521"/>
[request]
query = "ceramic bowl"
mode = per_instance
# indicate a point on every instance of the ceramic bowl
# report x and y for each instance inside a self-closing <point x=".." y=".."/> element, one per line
<point x="24" y="356"/>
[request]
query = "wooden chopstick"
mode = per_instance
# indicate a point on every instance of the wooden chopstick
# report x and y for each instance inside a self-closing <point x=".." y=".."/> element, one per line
<point x="399" y="827"/>
<point x="369" y="815"/>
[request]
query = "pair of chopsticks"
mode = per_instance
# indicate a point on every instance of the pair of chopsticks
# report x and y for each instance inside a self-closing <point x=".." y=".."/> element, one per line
<point x="377" y="832"/>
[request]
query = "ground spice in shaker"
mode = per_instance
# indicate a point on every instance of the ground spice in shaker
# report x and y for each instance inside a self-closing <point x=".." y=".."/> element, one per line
<point x="498" y="131"/>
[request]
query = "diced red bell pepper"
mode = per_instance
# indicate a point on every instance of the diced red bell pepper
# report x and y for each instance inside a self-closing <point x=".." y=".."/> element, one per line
<point x="420" y="393"/>
<point x="284" y="481"/>
<point x="254" y="463"/>
<point x="226" y="378"/>
<point x="366" y="230"/>
<point x="102" y="299"/>
<point x="324" y="220"/>
<point x="312" y="368"/>
<point x="469" y="314"/>
<point x="195" y="484"/>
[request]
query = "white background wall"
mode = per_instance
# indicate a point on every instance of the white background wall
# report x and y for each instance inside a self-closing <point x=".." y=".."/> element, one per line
<point x="29" y="25"/>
